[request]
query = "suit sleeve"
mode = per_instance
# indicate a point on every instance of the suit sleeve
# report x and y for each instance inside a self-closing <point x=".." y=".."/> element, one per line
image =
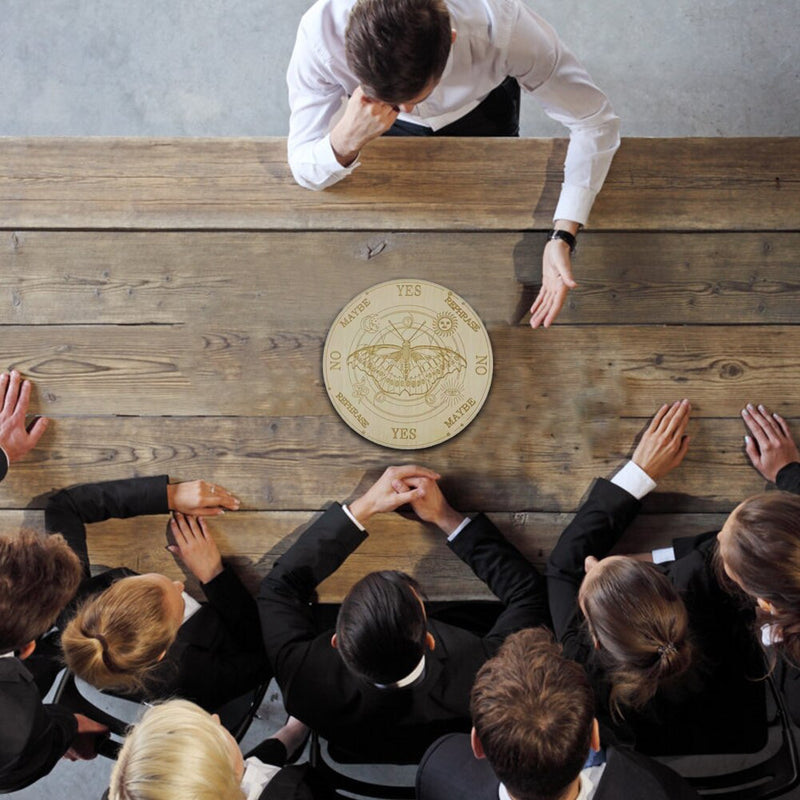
<point x="237" y="609"/>
<point x="596" y="528"/>
<point x="511" y="577"/>
<point x="287" y="623"/>
<point x="70" y="510"/>
<point x="788" y="479"/>
<point x="3" y="464"/>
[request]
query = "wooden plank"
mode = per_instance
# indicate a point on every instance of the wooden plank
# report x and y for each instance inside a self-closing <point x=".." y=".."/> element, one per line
<point x="590" y="374"/>
<point x="56" y="277"/>
<point x="252" y="542"/>
<point x="283" y="463"/>
<point x="467" y="184"/>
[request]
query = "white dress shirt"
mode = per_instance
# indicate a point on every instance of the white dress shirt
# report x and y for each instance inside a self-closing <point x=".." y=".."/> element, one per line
<point x="494" y="39"/>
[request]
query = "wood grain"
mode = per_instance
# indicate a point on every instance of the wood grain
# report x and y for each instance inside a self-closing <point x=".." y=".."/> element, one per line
<point x="252" y="542"/>
<point x="568" y="375"/>
<point x="467" y="184"/>
<point x="58" y="277"/>
<point x="282" y="463"/>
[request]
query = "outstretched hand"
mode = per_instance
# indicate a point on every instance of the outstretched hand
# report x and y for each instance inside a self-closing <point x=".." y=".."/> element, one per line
<point x="392" y="490"/>
<point x="200" y="498"/>
<point x="771" y="446"/>
<point x="557" y="280"/>
<point x="195" y="546"/>
<point x="664" y="444"/>
<point x="15" y="439"/>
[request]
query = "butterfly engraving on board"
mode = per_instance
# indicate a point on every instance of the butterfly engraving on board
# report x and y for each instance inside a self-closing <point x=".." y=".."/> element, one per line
<point x="406" y="368"/>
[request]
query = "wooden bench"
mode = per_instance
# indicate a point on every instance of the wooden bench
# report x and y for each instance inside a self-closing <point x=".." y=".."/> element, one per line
<point x="171" y="299"/>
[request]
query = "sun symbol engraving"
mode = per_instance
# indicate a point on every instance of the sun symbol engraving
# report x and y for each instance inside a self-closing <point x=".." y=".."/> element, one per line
<point x="445" y="323"/>
<point x="453" y="392"/>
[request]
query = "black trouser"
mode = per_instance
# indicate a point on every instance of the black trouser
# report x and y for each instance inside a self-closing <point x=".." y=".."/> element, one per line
<point x="496" y="115"/>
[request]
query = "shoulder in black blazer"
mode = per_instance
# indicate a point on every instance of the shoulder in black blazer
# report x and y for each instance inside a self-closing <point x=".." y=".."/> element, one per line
<point x="218" y="653"/>
<point x="391" y="725"/>
<point x="449" y="769"/>
<point x="33" y="736"/>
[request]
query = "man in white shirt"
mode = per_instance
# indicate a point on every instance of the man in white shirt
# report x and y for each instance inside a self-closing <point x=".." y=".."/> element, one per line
<point x="434" y="68"/>
<point x="534" y="735"/>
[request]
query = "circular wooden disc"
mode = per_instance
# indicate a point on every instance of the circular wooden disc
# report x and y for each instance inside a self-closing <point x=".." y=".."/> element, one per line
<point x="407" y="364"/>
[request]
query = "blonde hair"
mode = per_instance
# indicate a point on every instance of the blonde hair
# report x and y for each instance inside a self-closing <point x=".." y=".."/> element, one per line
<point x="176" y="752"/>
<point x="118" y="636"/>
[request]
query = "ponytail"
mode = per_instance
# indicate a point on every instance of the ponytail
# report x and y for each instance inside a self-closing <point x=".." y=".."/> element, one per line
<point x="117" y="637"/>
<point x="642" y="627"/>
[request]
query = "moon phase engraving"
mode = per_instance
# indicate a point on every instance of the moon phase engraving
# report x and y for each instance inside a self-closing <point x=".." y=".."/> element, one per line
<point x="407" y="364"/>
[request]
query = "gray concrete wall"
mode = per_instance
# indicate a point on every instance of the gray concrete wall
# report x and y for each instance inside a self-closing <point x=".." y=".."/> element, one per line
<point x="216" y="67"/>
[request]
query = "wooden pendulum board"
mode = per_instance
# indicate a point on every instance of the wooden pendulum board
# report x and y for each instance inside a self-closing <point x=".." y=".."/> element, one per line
<point x="407" y="364"/>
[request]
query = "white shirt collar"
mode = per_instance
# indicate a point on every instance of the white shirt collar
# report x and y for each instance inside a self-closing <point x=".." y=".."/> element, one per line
<point x="408" y="680"/>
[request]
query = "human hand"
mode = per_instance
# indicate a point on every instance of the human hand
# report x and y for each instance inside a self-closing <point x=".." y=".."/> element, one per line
<point x="15" y="439"/>
<point x="391" y="491"/>
<point x="556" y="282"/>
<point x="432" y="506"/>
<point x="89" y="736"/>
<point x="200" y="498"/>
<point x="664" y="444"/>
<point x="364" y="119"/>
<point x="772" y="446"/>
<point x="195" y="546"/>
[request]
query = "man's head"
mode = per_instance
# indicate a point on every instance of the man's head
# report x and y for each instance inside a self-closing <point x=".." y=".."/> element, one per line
<point x="39" y="575"/>
<point x="381" y="630"/>
<point x="398" y="49"/>
<point x="533" y="716"/>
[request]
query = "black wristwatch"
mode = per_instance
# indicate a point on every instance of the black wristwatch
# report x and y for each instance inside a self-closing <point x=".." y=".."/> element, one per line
<point x="565" y="236"/>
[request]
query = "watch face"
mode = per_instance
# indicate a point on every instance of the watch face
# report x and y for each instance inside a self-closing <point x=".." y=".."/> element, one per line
<point x="407" y="364"/>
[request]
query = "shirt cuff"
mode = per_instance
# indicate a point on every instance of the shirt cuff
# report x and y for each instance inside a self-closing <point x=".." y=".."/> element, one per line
<point x="634" y="480"/>
<point x="352" y="518"/>
<point x="464" y="522"/>
<point x="575" y="203"/>
<point x="663" y="554"/>
<point x="326" y="159"/>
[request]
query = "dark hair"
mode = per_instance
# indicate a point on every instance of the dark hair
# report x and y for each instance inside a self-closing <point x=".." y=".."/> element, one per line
<point x="642" y="627"/>
<point x="381" y="627"/>
<point x="396" y="48"/>
<point x="533" y="710"/>
<point x="762" y="554"/>
<point x="39" y="575"/>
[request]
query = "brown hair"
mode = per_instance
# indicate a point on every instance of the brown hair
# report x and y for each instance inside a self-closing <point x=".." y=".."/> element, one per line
<point x="762" y="553"/>
<point x="642" y="627"/>
<point x="396" y="48"/>
<point x="533" y="710"/>
<point x="381" y="627"/>
<point x="39" y="575"/>
<point x="118" y="636"/>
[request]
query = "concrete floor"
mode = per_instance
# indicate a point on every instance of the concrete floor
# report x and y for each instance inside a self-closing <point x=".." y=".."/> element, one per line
<point x="216" y="68"/>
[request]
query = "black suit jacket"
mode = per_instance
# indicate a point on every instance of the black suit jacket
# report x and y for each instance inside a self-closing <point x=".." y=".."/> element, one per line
<point x="33" y="736"/>
<point x="449" y="769"/>
<point x="218" y="653"/>
<point x="696" y="712"/>
<point x="394" y="725"/>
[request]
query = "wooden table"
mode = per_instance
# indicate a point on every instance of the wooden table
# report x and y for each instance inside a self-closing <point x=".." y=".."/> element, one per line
<point x="171" y="298"/>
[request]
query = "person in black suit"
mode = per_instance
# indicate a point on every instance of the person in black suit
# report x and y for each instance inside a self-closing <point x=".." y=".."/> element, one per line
<point x="141" y="635"/>
<point x="40" y="574"/>
<point x="535" y="735"/>
<point x="666" y="646"/>
<point x="390" y="679"/>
